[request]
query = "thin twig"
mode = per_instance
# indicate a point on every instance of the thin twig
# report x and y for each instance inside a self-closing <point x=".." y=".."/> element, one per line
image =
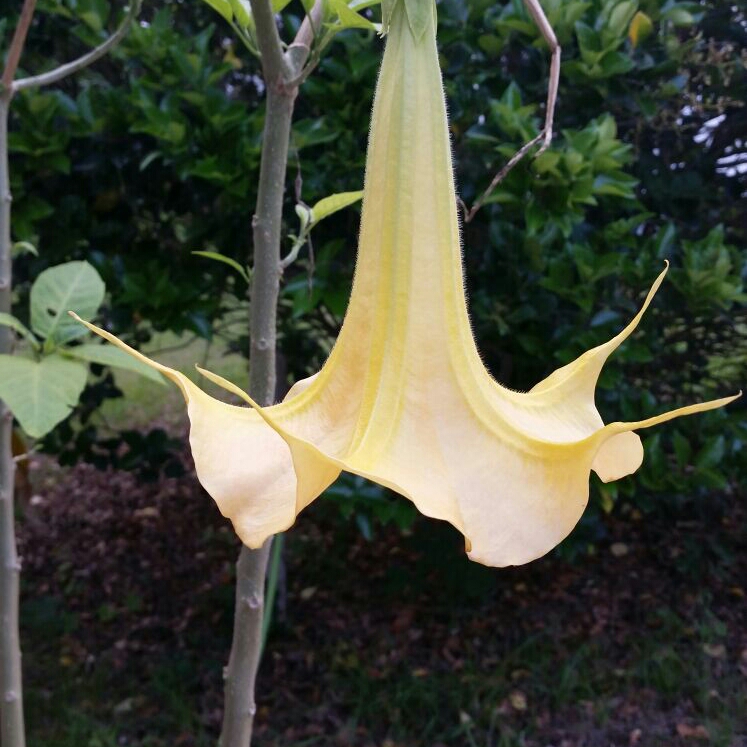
<point x="308" y="31"/>
<point x="25" y="456"/>
<point x="545" y="135"/>
<point x="292" y="255"/>
<point x="171" y="348"/>
<point x="53" y="76"/>
<point x="303" y="46"/>
<point x="314" y="59"/>
<point x="16" y="44"/>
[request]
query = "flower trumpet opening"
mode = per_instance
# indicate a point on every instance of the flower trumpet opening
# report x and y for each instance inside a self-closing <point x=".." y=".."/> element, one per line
<point x="404" y="398"/>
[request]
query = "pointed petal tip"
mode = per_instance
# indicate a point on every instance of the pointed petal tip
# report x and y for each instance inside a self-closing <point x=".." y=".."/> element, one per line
<point x="713" y="404"/>
<point x="93" y="328"/>
<point x="78" y="319"/>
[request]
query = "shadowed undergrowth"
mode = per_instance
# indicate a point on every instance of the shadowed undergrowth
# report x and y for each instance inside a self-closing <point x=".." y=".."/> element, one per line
<point x="396" y="641"/>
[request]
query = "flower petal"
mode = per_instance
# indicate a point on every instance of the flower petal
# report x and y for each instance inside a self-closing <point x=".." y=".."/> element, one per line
<point x="245" y="466"/>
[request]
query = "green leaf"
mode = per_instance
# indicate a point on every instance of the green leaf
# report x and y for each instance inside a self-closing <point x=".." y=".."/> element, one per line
<point x="23" y="247"/>
<point x="682" y="449"/>
<point x="40" y="393"/>
<point x="332" y="204"/>
<point x="73" y="286"/>
<point x="309" y="132"/>
<point x="108" y="355"/>
<point x="278" y="5"/>
<point x="711" y="454"/>
<point x="8" y="320"/>
<point x="223" y="7"/>
<point x="678" y="16"/>
<point x="243" y="12"/>
<point x="621" y="15"/>
<point x="228" y="261"/>
<point x="349" y="19"/>
<point x="640" y="28"/>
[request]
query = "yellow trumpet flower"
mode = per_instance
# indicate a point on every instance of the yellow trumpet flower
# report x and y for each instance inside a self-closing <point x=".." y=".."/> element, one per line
<point x="404" y="398"/>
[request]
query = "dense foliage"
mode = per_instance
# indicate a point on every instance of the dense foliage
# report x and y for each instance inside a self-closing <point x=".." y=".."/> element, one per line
<point x="153" y="154"/>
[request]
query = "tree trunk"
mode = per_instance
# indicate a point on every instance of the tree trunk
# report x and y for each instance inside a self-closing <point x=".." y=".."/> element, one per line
<point x="11" y="693"/>
<point x="251" y="568"/>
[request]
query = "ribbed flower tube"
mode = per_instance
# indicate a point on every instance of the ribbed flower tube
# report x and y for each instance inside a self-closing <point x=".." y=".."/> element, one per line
<point x="404" y="398"/>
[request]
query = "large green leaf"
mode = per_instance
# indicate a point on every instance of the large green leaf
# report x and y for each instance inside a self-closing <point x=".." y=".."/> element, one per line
<point x="108" y="355"/>
<point x="40" y="393"/>
<point x="73" y="286"/>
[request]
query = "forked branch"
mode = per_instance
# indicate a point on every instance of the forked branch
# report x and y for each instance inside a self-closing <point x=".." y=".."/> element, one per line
<point x="53" y="76"/>
<point x="545" y="136"/>
<point x="274" y="66"/>
<point x="307" y="34"/>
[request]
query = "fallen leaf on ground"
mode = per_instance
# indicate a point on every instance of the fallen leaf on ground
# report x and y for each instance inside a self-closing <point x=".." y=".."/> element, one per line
<point x="518" y="700"/>
<point x="693" y="732"/>
<point x="715" y="650"/>
<point x="619" y="549"/>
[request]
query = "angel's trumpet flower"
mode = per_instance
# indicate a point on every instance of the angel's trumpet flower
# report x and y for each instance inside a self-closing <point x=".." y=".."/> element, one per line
<point x="404" y="399"/>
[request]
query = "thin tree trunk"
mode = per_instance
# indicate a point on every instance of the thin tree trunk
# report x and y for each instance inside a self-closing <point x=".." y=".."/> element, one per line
<point x="12" y="732"/>
<point x="241" y="673"/>
<point x="251" y="568"/>
<point x="266" y="230"/>
<point x="278" y="69"/>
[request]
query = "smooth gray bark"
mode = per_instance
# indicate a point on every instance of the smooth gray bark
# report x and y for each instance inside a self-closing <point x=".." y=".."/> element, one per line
<point x="251" y="568"/>
<point x="12" y="732"/>
<point x="280" y="71"/>
<point x="241" y="672"/>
